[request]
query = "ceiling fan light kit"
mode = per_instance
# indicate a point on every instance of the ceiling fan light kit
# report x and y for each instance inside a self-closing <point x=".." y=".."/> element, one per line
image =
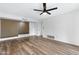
<point x="44" y="13"/>
<point x="45" y="10"/>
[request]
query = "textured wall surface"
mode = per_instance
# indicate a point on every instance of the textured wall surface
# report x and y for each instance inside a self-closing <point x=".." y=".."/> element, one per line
<point x="9" y="28"/>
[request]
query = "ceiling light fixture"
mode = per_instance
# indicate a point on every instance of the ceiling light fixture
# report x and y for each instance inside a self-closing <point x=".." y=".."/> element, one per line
<point x="44" y="13"/>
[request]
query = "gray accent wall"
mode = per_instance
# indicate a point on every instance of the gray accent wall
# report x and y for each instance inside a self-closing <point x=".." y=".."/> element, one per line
<point x="0" y="28"/>
<point x="10" y="28"/>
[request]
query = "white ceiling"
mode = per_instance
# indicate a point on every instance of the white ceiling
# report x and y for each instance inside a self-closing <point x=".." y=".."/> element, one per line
<point x="25" y="10"/>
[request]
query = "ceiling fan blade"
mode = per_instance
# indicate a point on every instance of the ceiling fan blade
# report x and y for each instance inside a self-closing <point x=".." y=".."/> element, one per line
<point x="41" y="13"/>
<point x="52" y="9"/>
<point x="44" y="6"/>
<point x="48" y="13"/>
<point x="37" y="10"/>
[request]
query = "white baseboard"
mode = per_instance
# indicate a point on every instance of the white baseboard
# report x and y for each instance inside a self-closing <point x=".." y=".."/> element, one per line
<point x="16" y="37"/>
<point x="61" y="41"/>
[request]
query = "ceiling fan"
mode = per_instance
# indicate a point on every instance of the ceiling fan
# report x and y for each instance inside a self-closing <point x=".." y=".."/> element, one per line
<point x="45" y="10"/>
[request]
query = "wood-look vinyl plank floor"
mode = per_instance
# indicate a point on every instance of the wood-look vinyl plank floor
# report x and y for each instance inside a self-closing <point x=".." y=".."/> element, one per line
<point x="37" y="46"/>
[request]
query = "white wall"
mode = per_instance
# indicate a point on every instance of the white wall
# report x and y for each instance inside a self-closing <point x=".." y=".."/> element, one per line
<point x="64" y="27"/>
<point x="35" y="28"/>
<point x="0" y="28"/>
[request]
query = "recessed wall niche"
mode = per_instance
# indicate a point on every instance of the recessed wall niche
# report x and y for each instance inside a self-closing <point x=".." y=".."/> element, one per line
<point x="10" y="28"/>
<point x="23" y="27"/>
